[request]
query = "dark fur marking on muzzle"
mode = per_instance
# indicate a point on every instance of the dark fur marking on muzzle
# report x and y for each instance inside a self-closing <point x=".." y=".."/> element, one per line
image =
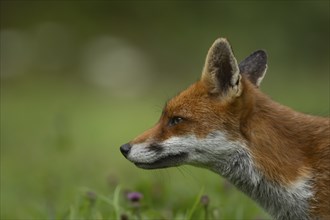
<point x="156" y="147"/>
<point x="171" y="160"/>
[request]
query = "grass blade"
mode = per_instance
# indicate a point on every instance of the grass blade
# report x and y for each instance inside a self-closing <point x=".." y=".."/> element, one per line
<point x="192" y="210"/>
<point x="116" y="201"/>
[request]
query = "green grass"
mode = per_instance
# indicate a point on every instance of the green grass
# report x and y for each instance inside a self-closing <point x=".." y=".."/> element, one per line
<point x="60" y="159"/>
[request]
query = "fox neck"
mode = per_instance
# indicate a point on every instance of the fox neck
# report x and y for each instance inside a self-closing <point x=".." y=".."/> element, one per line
<point x="281" y="202"/>
<point x="265" y="168"/>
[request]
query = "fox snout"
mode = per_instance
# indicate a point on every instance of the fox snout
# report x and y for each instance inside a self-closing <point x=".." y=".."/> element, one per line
<point x="125" y="149"/>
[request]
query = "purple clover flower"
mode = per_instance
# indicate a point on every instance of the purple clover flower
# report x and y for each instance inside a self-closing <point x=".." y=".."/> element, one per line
<point x="134" y="196"/>
<point x="91" y="197"/>
<point x="205" y="200"/>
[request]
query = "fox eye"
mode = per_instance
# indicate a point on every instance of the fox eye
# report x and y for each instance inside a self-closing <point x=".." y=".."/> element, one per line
<point x="175" y="120"/>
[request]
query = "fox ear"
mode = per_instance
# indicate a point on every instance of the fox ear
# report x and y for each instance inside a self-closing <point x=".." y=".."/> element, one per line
<point x="254" y="67"/>
<point x="221" y="72"/>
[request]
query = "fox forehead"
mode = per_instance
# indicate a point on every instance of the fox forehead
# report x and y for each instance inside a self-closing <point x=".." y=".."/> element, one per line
<point x="194" y="103"/>
<point x="189" y="103"/>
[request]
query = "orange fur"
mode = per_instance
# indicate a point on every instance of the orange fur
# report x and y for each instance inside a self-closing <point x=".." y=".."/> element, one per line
<point x="288" y="145"/>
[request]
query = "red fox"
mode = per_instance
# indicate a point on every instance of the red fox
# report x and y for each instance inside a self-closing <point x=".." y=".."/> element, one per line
<point x="223" y="122"/>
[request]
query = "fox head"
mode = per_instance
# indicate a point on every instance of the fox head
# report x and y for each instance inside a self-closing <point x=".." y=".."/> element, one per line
<point x="202" y="126"/>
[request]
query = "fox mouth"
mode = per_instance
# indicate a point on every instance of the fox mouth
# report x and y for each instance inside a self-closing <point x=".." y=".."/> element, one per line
<point x="171" y="160"/>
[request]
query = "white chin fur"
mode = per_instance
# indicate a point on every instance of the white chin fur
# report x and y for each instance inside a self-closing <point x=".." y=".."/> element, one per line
<point x="140" y="153"/>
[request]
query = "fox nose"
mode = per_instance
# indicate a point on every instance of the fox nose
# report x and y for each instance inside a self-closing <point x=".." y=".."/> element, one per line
<point x="125" y="148"/>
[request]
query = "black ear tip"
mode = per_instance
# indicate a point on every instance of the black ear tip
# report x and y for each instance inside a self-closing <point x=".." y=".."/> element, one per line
<point x="257" y="57"/>
<point x="261" y="54"/>
<point x="254" y="66"/>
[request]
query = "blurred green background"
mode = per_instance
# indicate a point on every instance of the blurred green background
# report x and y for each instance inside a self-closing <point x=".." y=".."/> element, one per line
<point x="80" y="78"/>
